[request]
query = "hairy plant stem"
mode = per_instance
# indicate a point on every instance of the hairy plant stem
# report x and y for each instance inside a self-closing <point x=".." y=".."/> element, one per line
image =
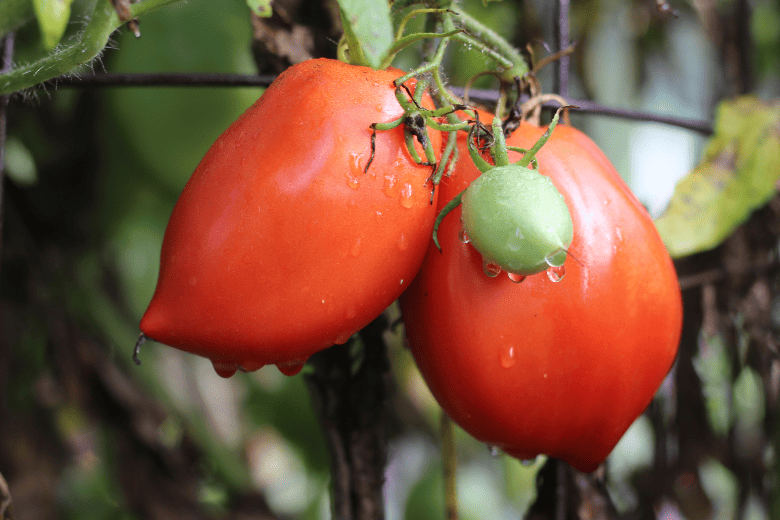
<point x="82" y="49"/>
<point x="494" y="42"/>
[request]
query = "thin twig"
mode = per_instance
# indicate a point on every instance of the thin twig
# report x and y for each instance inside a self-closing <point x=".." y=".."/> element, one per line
<point x="7" y="62"/>
<point x="562" y="42"/>
<point x="449" y="467"/>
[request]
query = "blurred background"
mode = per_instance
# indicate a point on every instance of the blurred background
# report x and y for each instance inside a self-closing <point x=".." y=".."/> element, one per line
<point x="93" y="174"/>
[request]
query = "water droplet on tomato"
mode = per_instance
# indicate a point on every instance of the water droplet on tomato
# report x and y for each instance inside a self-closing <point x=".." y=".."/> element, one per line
<point x="490" y="269"/>
<point x="355" y="250"/>
<point x="389" y="188"/>
<point x="463" y="236"/>
<point x="251" y="367"/>
<point x="517" y="278"/>
<point x="556" y="273"/>
<point x="224" y="369"/>
<point x="403" y="243"/>
<point x="508" y="356"/>
<point x="290" y="368"/>
<point x="352" y="182"/>
<point x="406" y="196"/>
<point x="342" y="338"/>
<point x="355" y="170"/>
<point x="495" y="451"/>
<point x="619" y="233"/>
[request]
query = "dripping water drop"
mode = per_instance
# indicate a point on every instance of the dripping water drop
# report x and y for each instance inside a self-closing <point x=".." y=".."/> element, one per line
<point x="290" y="368"/>
<point x="516" y="278"/>
<point x="528" y="462"/>
<point x="463" y="236"/>
<point x="492" y="270"/>
<point x="225" y="369"/>
<point x="556" y="273"/>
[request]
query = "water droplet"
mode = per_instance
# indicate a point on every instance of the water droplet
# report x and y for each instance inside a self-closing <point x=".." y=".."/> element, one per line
<point x="403" y="243"/>
<point x="251" y="366"/>
<point x="517" y="278"/>
<point x="356" y="247"/>
<point x="406" y="196"/>
<point x="342" y="338"/>
<point x="224" y="369"/>
<point x="290" y="368"/>
<point x="508" y="356"/>
<point x="389" y="188"/>
<point x="556" y="258"/>
<point x="463" y="236"/>
<point x="528" y="462"/>
<point x="556" y="273"/>
<point x="355" y="170"/>
<point x="492" y="270"/>
<point x="352" y="182"/>
<point x="619" y="233"/>
<point x="495" y="451"/>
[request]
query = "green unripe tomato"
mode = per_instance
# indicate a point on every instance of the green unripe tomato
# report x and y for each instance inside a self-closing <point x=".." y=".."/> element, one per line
<point x="516" y="218"/>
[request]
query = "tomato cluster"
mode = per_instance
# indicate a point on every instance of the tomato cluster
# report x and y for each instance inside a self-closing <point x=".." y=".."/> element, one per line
<point x="283" y="243"/>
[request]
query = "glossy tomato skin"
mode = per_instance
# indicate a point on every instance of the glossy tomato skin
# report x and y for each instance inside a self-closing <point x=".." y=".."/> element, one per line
<point x="280" y="245"/>
<point x="540" y="367"/>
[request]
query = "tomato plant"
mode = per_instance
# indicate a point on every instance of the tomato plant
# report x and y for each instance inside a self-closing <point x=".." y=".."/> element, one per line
<point x="541" y="367"/>
<point x="281" y="244"/>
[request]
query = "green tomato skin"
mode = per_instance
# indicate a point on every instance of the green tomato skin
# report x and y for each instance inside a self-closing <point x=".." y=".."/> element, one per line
<point x="516" y="218"/>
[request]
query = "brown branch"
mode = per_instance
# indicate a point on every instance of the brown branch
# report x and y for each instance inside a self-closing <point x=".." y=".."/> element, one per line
<point x="351" y="406"/>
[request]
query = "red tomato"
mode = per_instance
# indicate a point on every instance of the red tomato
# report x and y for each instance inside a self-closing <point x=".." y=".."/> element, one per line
<point x="280" y="245"/>
<point x="541" y="367"/>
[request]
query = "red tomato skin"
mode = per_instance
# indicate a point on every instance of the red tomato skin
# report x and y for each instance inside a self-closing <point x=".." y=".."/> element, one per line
<point x="538" y="367"/>
<point x="280" y="245"/>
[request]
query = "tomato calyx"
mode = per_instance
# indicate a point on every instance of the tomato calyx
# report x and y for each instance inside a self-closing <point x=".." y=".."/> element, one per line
<point x="513" y="215"/>
<point x="416" y="120"/>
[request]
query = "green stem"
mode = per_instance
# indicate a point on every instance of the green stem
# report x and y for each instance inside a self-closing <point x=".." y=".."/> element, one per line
<point x="449" y="467"/>
<point x="494" y="41"/>
<point x="87" y="45"/>
<point x="500" y="153"/>
<point x="355" y="55"/>
<point x="527" y="158"/>
<point x="404" y="42"/>
<point x="446" y="210"/>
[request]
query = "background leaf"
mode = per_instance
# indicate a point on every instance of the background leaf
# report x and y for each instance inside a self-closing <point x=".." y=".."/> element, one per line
<point x="53" y="16"/>
<point x="738" y="174"/>
<point x="261" y="8"/>
<point x="370" y="23"/>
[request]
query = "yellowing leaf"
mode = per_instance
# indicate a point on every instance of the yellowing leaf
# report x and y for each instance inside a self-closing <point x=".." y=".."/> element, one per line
<point x="737" y="175"/>
<point x="261" y="8"/>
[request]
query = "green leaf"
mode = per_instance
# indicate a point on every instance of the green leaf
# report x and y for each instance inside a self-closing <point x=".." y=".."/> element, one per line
<point x="369" y="27"/>
<point x="53" y="16"/>
<point x="261" y="8"/>
<point x="738" y="174"/>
